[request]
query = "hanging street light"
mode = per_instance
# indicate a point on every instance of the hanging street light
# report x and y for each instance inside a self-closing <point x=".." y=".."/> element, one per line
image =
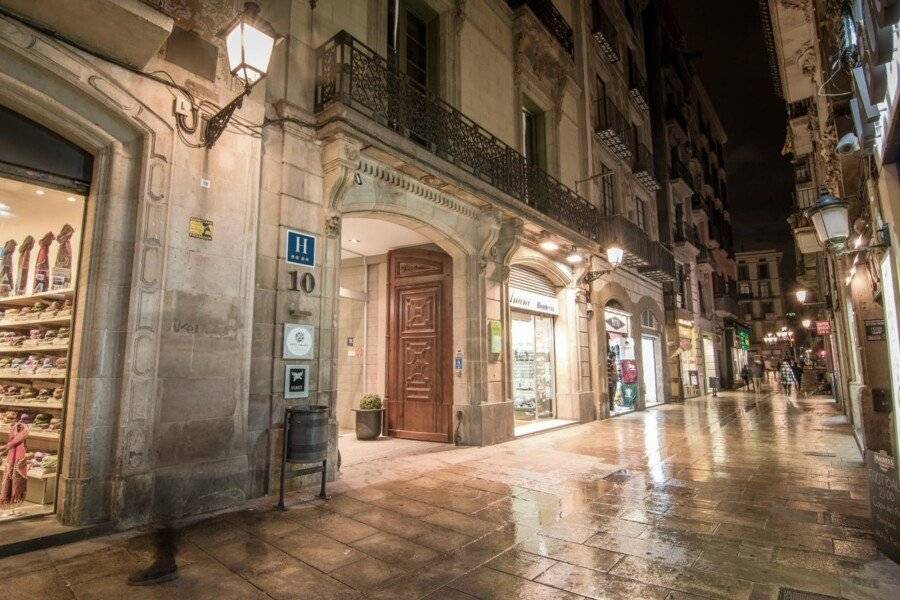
<point x="802" y="295"/>
<point x="615" y="254"/>
<point x="830" y="219"/>
<point x="249" y="42"/>
<point x="806" y="323"/>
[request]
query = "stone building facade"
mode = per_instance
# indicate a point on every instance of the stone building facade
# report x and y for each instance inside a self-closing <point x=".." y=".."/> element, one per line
<point x="463" y="169"/>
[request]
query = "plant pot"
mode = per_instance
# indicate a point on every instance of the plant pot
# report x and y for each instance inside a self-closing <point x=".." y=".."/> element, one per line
<point x="368" y="423"/>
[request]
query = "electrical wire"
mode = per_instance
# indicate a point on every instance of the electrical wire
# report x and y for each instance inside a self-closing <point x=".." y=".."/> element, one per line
<point x="835" y="71"/>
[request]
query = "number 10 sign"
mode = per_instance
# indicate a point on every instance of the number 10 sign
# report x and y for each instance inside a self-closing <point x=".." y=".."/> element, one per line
<point x="300" y="249"/>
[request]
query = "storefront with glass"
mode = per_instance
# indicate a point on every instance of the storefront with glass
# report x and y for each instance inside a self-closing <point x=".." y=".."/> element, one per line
<point x="533" y="309"/>
<point x="710" y="364"/>
<point x="44" y="182"/>
<point x="621" y="361"/>
<point x="688" y="363"/>
<point x="651" y="360"/>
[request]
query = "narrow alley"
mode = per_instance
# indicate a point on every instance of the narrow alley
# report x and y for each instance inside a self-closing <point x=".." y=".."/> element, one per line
<point x="737" y="496"/>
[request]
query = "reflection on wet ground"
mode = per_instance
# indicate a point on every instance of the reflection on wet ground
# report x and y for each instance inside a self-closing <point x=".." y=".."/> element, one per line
<point x="729" y="497"/>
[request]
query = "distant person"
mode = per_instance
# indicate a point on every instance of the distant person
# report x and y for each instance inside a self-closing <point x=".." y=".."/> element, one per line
<point x="787" y="377"/>
<point x="770" y="367"/>
<point x="757" y="371"/>
<point x="745" y="375"/>
<point x="798" y="373"/>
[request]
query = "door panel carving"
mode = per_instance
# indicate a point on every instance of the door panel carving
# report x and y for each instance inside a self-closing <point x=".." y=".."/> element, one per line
<point x="419" y="398"/>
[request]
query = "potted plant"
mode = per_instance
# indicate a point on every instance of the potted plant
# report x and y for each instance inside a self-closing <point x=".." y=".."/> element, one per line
<point x="368" y="417"/>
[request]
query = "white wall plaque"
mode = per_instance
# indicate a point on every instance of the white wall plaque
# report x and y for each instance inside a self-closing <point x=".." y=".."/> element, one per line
<point x="299" y="341"/>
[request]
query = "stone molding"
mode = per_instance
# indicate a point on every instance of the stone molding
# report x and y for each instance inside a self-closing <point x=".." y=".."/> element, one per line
<point x="134" y="155"/>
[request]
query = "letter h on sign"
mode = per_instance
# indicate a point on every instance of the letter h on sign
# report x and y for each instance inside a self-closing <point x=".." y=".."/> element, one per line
<point x="300" y="249"/>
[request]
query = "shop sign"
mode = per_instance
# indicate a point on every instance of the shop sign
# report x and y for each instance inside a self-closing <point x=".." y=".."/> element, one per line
<point x="296" y="379"/>
<point x="616" y="323"/>
<point x="823" y="327"/>
<point x="495" y="331"/>
<point x="300" y="249"/>
<point x="200" y="228"/>
<point x="875" y="330"/>
<point x="298" y="340"/>
<point x="884" y="500"/>
<point x="744" y="339"/>
<point x="525" y="300"/>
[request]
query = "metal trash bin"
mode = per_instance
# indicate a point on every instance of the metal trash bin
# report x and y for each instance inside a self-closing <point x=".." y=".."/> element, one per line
<point x="305" y="441"/>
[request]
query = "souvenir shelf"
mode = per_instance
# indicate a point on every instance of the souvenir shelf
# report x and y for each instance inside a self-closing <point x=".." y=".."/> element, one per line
<point x="16" y="378"/>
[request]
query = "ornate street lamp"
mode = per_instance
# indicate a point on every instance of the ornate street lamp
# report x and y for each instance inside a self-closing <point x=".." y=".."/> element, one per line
<point x="806" y="323"/>
<point x="615" y="254"/>
<point x="830" y="219"/>
<point x="801" y="294"/>
<point x="249" y="42"/>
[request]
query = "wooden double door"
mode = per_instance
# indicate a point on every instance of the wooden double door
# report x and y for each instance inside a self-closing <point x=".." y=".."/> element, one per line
<point x="419" y="366"/>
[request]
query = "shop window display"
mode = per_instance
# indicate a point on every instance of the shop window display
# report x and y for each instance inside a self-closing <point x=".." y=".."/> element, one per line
<point x="39" y="230"/>
<point x="532" y="366"/>
<point x="621" y="364"/>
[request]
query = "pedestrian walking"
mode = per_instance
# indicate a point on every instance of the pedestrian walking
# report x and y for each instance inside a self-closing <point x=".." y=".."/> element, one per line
<point x="787" y="377"/>
<point x="757" y="371"/>
<point x="745" y="375"/>
<point x="798" y="374"/>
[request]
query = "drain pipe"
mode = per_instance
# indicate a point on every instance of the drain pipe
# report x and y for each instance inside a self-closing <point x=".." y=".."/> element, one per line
<point x="365" y="336"/>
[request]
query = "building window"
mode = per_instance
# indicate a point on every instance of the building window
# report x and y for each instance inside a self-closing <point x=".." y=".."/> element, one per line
<point x="767" y="308"/>
<point x="680" y="287"/>
<point x="764" y="290"/>
<point x="762" y="270"/>
<point x="606" y="191"/>
<point x="415" y="43"/>
<point x="745" y="291"/>
<point x="639" y="213"/>
<point x="801" y="171"/>
<point x="533" y="134"/>
<point x="744" y="273"/>
<point x="602" y="119"/>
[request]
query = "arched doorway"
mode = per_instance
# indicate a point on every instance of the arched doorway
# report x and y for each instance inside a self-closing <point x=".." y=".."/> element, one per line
<point x="621" y="360"/>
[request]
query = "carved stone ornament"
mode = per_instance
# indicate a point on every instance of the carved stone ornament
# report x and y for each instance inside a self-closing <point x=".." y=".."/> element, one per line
<point x="333" y="225"/>
<point x="537" y="54"/>
<point x="207" y="17"/>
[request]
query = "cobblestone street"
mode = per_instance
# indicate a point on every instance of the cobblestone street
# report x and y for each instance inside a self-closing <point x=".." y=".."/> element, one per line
<point x="729" y="497"/>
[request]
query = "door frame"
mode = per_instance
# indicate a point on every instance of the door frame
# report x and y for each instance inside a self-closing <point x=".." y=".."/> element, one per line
<point x="445" y="323"/>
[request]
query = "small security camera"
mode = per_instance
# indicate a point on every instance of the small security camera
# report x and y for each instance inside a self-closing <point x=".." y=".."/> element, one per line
<point x="357" y="179"/>
<point x="848" y="144"/>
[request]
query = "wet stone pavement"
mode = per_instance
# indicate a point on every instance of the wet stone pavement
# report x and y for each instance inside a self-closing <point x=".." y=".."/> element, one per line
<point x="732" y="497"/>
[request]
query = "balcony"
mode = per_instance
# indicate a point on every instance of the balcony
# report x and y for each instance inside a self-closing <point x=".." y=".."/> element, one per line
<point x="643" y="168"/>
<point x="675" y="112"/>
<point x="352" y="79"/>
<point x="614" y="132"/>
<point x="551" y="18"/>
<point x="681" y="175"/>
<point x="352" y="74"/>
<point x="604" y="33"/>
<point x="637" y="86"/>
<point x="642" y="254"/>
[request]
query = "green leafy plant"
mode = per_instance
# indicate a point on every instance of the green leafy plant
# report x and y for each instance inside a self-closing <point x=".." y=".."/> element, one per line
<point x="370" y="402"/>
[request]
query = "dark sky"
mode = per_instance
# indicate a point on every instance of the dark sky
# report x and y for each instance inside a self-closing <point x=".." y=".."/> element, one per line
<point x="734" y="67"/>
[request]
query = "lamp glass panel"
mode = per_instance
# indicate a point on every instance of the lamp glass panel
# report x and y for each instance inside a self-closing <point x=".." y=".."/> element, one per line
<point x="257" y="48"/>
<point x="614" y="255"/>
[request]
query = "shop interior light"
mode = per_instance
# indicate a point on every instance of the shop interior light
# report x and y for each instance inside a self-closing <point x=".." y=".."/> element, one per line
<point x="549" y="246"/>
<point x="249" y="42"/>
<point x="801" y="295"/>
<point x="615" y="254"/>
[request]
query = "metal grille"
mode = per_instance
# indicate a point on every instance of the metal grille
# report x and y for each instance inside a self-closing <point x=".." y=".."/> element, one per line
<point x="530" y="280"/>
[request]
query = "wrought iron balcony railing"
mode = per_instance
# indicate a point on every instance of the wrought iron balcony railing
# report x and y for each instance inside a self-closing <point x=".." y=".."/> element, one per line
<point x="675" y="112"/>
<point x="647" y="256"/>
<point x="551" y="18"/>
<point x="613" y="130"/>
<point x="679" y="170"/>
<point x="800" y="108"/>
<point x="351" y="73"/>
<point x="604" y="33"/>
<point x="804" y="198"/>
<point x="643" y="168"/>
<point x="637" y="86"/>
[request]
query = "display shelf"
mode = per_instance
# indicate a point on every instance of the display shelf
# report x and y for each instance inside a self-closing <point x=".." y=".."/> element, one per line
<point x="35" y="473"/>
<point x="33" y="405"/>
<point x="7" y="350"/>
<point x="33" y="377"/>
<point x="49" y="436"/>
<point x="31" y="299"/>
<point x="32" y="323"/>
